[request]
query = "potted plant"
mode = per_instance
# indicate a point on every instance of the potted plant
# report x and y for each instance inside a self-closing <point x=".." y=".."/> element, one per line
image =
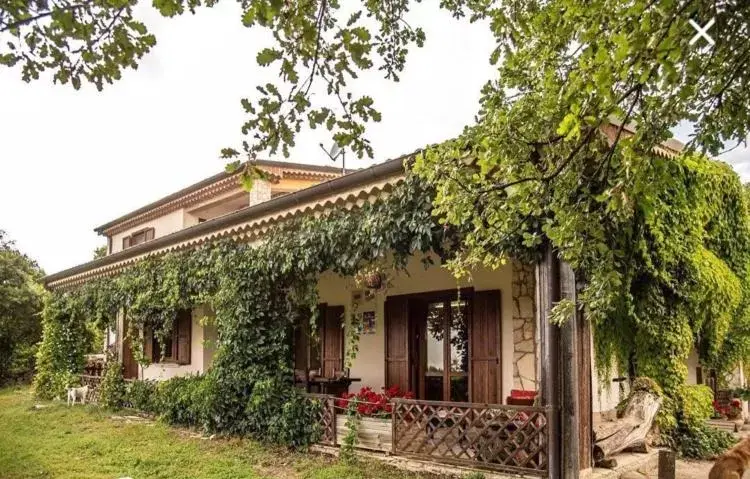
<point x="364" y="418"/>
<point x="734" y="410"/>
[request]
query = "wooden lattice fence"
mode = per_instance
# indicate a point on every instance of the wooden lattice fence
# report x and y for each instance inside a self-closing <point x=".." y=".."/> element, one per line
<point x="326" y="418"/>
<point x="500" y="437"/>
<point x="94" y="383"/>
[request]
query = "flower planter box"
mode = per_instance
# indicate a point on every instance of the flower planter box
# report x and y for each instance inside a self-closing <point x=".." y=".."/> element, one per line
<point x="373" y="433"/>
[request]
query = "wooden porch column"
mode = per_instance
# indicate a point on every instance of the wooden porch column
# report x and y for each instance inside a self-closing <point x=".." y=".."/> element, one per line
<point x="547" y="294"/>
<point x="570" y="416"/>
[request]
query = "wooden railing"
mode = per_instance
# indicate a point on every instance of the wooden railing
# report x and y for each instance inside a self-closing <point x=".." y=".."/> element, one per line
<point x="326" y="418"/>
<point x="499" y="437"/>
<point x="93" y="382"/>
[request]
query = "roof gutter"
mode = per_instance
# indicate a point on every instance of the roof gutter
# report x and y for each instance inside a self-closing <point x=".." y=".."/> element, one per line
<point x="321" y="190"/>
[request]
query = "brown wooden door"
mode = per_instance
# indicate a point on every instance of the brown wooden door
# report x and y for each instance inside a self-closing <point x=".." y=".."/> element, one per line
<point x="332" y="337"/>
<point x="129" y="364"/>
<point x="183" y="335"/>
<point x="485" y="349"/>
<point x="397" y="354"/>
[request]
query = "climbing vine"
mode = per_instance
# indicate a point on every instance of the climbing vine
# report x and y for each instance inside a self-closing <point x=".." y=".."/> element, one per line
<point x="660" y="245"/>
<point x="258" y="292"/>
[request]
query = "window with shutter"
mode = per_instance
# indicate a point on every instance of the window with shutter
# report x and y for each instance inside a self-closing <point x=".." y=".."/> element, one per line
<point x="138" y="237"/>
<point x="183" y="333"/>
<point x="175" y="348"/>
<point x="332" y="341"/>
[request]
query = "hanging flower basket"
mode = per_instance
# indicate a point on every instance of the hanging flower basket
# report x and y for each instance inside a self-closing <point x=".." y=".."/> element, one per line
<point x="373" y="280"/>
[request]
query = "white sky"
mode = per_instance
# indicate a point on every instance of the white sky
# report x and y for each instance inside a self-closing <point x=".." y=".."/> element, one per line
<point x="70" y="161"/>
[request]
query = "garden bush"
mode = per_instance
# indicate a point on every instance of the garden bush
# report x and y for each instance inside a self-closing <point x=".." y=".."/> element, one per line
<point x="185" y="401"/>
<point x="700" y="441"/>
<point x="697" y="404"/>
<point x="279" y="413"/>
<point x="112" y="390"/>
<point x="141" y="395"/>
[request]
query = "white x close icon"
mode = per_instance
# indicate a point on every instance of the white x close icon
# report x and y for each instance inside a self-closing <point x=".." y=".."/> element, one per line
<point x="702" y="32"/>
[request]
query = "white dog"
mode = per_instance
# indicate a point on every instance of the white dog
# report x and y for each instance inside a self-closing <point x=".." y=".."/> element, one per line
<point x="77" y="394"/>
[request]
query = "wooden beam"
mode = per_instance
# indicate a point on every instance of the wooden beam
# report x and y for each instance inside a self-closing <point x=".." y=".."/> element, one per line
<point x="547" y="294"/>
<point x="569" y="410"/>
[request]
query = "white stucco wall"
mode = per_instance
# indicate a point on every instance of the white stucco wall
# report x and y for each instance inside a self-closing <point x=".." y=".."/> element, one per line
<point x="162" y="225"/>
<point x="370" y="361"/>
<point x="606" y="393"/>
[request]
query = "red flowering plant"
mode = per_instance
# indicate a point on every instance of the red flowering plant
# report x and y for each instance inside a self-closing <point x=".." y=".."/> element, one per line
<point x="720" y="410"/>
<point x="733" y="410"/>
<point x="371" y="404"/>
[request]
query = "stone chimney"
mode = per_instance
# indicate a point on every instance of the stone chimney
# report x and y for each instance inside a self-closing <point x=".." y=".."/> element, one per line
<point x="260" y="192"/>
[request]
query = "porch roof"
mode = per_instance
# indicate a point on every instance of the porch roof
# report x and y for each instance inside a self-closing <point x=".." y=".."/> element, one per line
<point x="247" y="224"/>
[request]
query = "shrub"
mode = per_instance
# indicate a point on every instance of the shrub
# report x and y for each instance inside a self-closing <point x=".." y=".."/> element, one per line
<point x="185" y="401"/>
<point x="142" y="396"/>
<point x="701" y="441"/>
<point x="697" y="404"/>
<point x="112" y="390"/>
<point x="279" y="413"/>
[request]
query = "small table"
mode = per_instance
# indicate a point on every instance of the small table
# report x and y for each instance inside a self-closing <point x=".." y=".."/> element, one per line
<point x="334" y="386"/>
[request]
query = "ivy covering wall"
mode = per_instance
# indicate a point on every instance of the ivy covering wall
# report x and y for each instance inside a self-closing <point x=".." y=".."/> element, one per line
<point x="257" y="292"/>
<point x="663" y="273"/>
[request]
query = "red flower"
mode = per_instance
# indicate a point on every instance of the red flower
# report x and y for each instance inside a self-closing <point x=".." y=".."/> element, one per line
<point x="370" y="403"/>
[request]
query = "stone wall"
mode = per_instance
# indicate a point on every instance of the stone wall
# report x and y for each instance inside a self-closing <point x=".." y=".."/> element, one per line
<point x="524" y="327"/>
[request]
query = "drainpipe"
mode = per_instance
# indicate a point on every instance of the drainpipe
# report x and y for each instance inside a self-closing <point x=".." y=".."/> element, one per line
<point x="569" y="355"/>
<point x="547" y="294"/>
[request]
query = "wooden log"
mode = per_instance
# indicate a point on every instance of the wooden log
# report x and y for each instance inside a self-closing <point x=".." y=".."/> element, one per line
<point x="630" y="429"/>
<point x="667" y="464"/>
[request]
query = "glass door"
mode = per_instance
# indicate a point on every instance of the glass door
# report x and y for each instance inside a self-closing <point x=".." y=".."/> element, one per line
<point x="445" y="350"/>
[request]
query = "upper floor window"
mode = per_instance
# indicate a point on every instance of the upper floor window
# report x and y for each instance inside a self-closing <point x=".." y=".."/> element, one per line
<point x="138" y="237"/>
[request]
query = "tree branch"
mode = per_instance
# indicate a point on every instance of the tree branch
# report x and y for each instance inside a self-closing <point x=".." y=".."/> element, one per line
<point x="40" y="16"/>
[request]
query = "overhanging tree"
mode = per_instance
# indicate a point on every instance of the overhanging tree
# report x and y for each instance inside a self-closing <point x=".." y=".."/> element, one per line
<point x="20" y="307"/>
<point x="662" y="243"/>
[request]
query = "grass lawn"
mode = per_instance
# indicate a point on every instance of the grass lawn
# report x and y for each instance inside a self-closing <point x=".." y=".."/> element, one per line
<point x="85" y="442"/>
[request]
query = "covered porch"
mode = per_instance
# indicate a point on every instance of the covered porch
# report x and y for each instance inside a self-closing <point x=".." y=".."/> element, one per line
<point x="465" y="353"/>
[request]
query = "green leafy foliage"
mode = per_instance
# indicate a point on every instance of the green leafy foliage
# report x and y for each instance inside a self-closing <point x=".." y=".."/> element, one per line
<point x="702" y="442"/>
<point x="65" y="341"/>
<point x="21" y="299"/>
<point x="282" y="415"/>
<point x="697" y="404"/>
<point x="257" y="293"/>
<point x="113" y="391"/>
<point x="141" y="395"/>
<point x="185" y="401"/>
<point x="91" y="41"/>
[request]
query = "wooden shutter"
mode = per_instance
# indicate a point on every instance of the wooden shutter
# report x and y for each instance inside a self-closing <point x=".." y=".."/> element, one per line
<point x="484" y="345"/>
<point x="183" y="328"/>
<point x="126" y="242"/>
<point x="397" y="343"/>
<point x="150" y="234"/>
<point x="301" y="344"/>
<point x="148" y="343"/>
<point x="332" y="337"/>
